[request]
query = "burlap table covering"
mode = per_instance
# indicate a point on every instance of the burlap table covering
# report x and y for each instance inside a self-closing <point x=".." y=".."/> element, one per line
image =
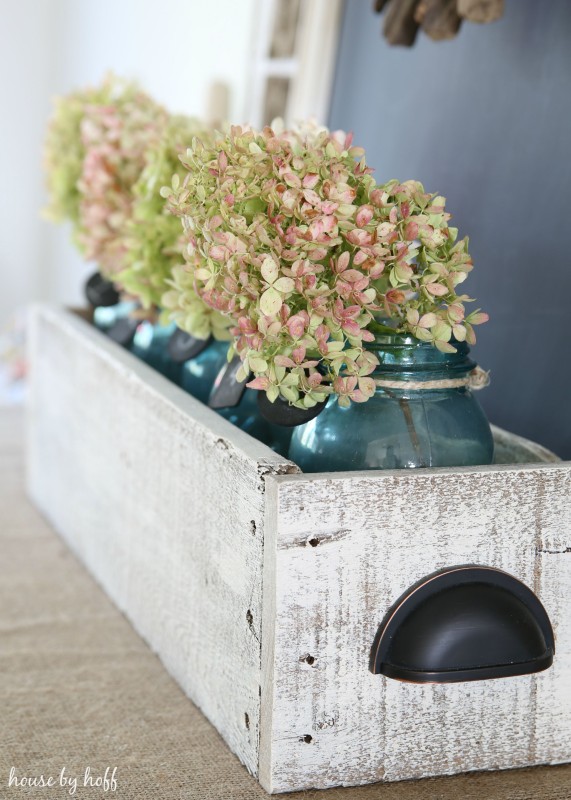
<point x="79" y="689"/>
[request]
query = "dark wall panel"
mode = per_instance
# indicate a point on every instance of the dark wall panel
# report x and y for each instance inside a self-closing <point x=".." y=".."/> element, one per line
<point x="485" y="120"/>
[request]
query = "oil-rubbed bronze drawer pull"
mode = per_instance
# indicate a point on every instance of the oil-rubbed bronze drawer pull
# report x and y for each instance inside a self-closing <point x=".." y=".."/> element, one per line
<point x="464" y="623"/>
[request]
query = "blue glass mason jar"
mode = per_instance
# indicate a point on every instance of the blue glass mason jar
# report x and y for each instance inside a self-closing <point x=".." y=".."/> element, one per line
<point x="247" y="417"/>
<point x="198" y="374"/>
<point x="405" y="424"/>
<point x="245" y="413"/>
<point x="150" y="344"/>
<point x="105" y="300"/>
<point x="104" y="317"/>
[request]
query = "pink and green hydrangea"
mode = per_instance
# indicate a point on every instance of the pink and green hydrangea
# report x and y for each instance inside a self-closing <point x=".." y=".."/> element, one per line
<point x="116" y="137"/>
<point x="153" y="238"/>
<point x="289" y="235"/>
<point x="64" y="150"/>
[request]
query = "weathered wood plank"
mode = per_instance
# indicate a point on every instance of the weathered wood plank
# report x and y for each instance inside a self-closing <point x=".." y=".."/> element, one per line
<point x="342" y="548"/>
<point x="261" y="589"/>
<point x="163" y="500"/>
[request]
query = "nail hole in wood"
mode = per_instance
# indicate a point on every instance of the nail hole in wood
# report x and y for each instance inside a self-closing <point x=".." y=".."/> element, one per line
<point x="314" y="542"/>
<point x="308" y="659"/>
<point x="253" y="527"/>
<point x="247" y="721"/>
<point x="307" y="738"/>
<point x="249" y="617"/>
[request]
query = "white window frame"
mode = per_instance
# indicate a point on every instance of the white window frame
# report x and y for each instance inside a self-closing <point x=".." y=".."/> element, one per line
<point x="311" y="70"/>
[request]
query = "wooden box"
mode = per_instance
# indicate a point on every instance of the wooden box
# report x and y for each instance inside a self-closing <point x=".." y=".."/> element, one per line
<point x="262" y="589"/>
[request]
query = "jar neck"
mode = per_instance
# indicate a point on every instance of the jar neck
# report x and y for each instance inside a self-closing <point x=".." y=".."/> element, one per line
<point x="407" y="357"/>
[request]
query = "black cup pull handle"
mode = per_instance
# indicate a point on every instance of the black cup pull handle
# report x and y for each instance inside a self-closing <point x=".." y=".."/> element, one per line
<point x="464" y="623"/>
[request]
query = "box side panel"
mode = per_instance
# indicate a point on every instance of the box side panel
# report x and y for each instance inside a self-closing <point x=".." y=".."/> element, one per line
<point x="163" y="501"/>
<point x="268" y="634"/>
<point x="347" y="548"/>
<point x="553" y="725"/>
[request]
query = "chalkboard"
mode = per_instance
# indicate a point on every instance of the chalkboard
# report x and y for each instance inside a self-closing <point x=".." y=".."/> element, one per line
<point x="485" y="120"/>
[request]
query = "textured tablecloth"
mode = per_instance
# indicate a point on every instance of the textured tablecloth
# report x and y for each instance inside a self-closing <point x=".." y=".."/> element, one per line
<point x="79" y="689"/>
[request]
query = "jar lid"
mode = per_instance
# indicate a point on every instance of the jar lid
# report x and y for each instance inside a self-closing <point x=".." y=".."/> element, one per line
<point x="182" y="346"/>
<point x="123" y="331"/>
<point x="100" y="292"/>
<point x="228" y="391"/>
<point x="280" y="412"/>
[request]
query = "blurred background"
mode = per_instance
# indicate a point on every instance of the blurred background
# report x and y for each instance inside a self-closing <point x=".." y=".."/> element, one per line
<point x="483" y="118"/>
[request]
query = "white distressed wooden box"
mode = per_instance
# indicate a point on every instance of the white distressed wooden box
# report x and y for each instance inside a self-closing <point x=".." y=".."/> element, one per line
<point x="261" y="588"/>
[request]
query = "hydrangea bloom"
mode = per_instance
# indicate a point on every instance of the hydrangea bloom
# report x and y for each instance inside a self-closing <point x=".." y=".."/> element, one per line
<point x="153" y="238"/>
<point x="116" y="137"/>
<point x="289" y="234"/>
<point x="64" y="150"/>
<point x="187" y="309"/>
<point x="424" y="265"/>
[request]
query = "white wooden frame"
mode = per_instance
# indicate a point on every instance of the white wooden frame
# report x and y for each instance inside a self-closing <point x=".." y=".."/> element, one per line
<point x="235" y="567"/>
<point x="311" y="70"/>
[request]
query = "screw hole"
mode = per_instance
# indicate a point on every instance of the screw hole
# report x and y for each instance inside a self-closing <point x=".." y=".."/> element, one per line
<point x="314" y="542"/>
<point x="307" y="738"/>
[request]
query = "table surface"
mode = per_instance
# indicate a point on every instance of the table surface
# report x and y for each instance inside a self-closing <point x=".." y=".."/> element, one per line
<point x="79" y="689"/>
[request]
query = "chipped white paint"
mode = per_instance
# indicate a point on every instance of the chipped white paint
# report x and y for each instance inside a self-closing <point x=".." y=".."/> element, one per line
<point x="343" y="548"/>
<point x="246" y="577"/>
<point x="156" y="494"/>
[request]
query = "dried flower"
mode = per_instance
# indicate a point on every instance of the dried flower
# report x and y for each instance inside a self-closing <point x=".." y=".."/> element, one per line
<point x="289" y="235"/>
<point x="424" y="265"/>
<point x="64" y="149"/>
<point x="153" y="238"/>
<point x="116" y="137"/>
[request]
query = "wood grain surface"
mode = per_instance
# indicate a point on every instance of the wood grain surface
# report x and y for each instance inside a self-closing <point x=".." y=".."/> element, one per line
<point x="261" y="589"/>
<point x="79" y="687"/>
<point x="344" y="548"/>
<point x="163" y="500"/>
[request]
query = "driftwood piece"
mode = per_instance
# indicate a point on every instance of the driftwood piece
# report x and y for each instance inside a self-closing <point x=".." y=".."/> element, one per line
<point x="400" y="26"/>
<point x="439" y="19"/>
<point x="481" y="10"/>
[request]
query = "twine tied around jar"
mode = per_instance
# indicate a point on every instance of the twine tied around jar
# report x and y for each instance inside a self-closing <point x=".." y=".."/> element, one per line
<point x="477" y="379"/>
